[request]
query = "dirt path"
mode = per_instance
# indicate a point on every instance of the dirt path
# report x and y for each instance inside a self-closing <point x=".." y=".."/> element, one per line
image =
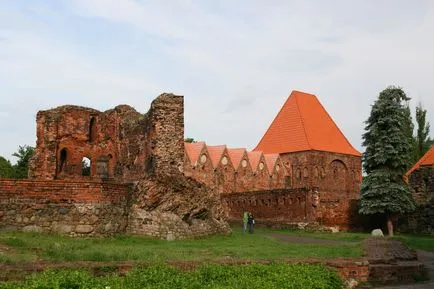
<point x="306" y="240"/>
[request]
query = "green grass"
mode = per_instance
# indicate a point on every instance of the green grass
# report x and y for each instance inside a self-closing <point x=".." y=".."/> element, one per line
<point x="341" y="236"/>
<point x="253" y="276"/>
<point x="133" y="248"/>
<point x="420" y="242"/>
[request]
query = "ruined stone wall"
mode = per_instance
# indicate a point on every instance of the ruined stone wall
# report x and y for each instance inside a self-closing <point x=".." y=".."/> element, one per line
<point x="289" y="206"/>
<point x="176" y="207"/>
<point x="166" y="135"/>
<point x="72" y="208"/>
<point x="421" y="221"/>
<point x="279" y="206"/>
<point x="422" y="183"/>
<point x="122" y="144"/>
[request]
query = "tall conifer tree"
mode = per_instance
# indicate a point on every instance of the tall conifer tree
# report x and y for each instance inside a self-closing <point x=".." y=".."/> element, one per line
<point x="388" y="143"/>
<point x="422" y="141"/>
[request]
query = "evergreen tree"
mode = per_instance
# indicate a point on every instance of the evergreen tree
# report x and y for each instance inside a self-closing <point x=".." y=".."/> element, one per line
<point x="388" y="154"/>
<point x="422" y="141"/>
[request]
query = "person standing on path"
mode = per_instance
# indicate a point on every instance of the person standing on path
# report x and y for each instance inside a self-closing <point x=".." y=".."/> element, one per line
<point x="245" y="220"/>
<point x="250" y="222"/>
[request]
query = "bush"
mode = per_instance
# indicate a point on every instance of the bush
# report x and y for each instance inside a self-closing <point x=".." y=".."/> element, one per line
<point x="209" y="276"/>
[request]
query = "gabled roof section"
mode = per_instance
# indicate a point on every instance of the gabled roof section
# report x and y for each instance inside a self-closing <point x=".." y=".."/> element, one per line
<point x="303" y="124"/>
<point x="215" y="154"/>
<point x="236" y="155"/>
<point x="270" y="161"/>
<point x="426" y="160"/>
<point x="254" y="158"/>
<point x="193" y="150"/>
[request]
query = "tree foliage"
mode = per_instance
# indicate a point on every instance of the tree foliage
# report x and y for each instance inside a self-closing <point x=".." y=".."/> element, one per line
<point x="20" y="169"/>
<point x="422" y="140"/>
<point x="6" y="169"/>
<point x="388" y="141"/>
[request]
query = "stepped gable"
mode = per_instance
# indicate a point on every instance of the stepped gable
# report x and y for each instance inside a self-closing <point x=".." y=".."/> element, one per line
<point x="216" y="153"/>
<point x="236" y="155"/>
<point x="193" y="151"/>
<point x="426" y="160"/>
<point x="270" y="161"/>
<point x="303" y="124"/>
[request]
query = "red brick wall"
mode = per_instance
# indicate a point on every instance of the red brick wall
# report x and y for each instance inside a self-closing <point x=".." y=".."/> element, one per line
<point x="74" y="208"/>
<point x="284" y="206"/>
<point x="122" y="144"/>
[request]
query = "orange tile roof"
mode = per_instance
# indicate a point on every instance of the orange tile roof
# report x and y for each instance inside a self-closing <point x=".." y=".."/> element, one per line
<point x="236" y="155"/>
<point x="215" y="154"/>
<point x="193" y="150"/>
<point x="254" y="158"/>
<point x="303" y="124"/>
<point x="270" y="161"/>
<point x="426" y="160"/>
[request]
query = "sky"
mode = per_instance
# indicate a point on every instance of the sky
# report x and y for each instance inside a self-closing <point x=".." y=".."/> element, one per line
<point x="235" y="62"/>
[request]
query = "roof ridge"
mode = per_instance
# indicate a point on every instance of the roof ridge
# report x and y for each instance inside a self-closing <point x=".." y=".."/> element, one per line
<point x="200" y="146"/>
<point x="302" y="120"/>
<point x="421" y="160"/>
<point x="269" y="128"/>
<point x="339" y="129"/>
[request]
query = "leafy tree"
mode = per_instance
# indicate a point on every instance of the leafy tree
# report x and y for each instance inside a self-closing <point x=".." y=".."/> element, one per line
<point x="23" y="156"/>
<point x="388" y="152"/>
<point x="189" y="140"/>
<point x="422" y="141"/>
<point x="6" y="169"/>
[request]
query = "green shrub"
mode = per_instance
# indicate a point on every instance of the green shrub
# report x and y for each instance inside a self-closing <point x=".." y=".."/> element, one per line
<point x="254" y="276"/>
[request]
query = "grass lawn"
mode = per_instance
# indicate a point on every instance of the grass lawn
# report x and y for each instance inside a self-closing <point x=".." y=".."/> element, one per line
<point x="35" y="246"/>
<point x="419" y="242"/>
<point x="295" y="276"/>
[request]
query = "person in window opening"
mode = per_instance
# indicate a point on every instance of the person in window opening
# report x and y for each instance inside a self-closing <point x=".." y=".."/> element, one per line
<point x="245" y="219"/>
<point x="250" y="223"/>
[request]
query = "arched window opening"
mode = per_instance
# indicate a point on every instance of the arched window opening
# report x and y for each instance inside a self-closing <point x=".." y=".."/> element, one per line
<point x="92" y="129"/>
<point x="85" y="167"/>
<point x="63" y="156"/>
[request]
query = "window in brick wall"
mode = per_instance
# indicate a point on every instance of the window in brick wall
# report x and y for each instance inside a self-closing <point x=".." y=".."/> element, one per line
<point x="85" y="166"/>
<point x="63" y="158"/>
<point x="92" y="129"/>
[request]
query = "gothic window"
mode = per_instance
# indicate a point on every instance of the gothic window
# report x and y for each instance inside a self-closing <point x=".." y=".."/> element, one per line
<point x="298" y="173"/>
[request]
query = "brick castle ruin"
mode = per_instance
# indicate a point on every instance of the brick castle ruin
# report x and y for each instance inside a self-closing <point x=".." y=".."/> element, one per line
<point x="143" y="179"/>
<point x="421" y="178"/>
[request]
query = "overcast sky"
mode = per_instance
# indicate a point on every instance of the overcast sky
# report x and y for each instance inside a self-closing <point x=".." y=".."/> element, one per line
<point x="235" y="62"/>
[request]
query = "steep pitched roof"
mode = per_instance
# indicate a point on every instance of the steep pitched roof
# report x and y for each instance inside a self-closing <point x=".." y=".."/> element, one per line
<point x="426" y="160"/>
<point x="254" y="158"/>
<point x="270" y="161"/>
<point x="215" y="154"/>
<point x="303" y="124"/>
<point x="236" y="155"/>
<point x="193" y="150"/>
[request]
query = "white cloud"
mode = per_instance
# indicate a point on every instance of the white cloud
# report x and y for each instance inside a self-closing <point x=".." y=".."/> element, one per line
<point x="235" y="61"/>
